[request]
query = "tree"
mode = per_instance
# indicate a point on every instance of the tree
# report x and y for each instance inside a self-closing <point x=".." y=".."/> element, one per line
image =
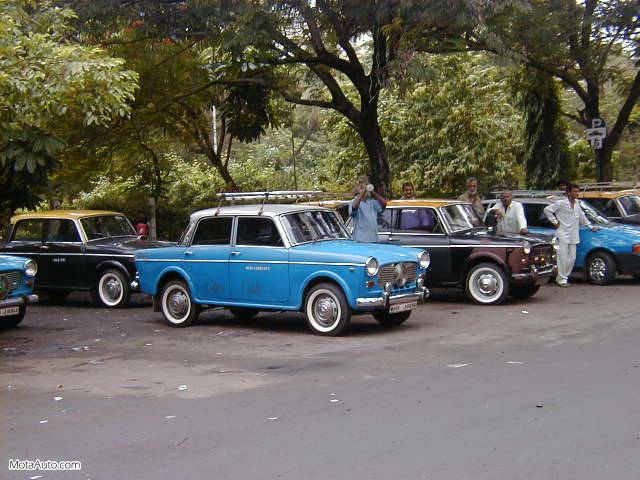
<point x="585" y="44"/>
<point x="46" y="78"/>
<point x="546" y="157"/>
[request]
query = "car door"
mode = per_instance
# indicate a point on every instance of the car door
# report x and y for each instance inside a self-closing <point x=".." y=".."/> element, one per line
<point x="259" y="262"/>
<point x="26" y="240"/>
<point x="206" y="260"/>
<point x="421" y="227"/>
<point x="62" y="258"/>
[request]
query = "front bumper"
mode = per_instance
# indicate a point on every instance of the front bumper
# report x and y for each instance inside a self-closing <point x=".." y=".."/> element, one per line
<point x="536" y="275"/>
<point x="629" y="262"/>
<point x="18" y="301"/>
<point x="386" y="300"/>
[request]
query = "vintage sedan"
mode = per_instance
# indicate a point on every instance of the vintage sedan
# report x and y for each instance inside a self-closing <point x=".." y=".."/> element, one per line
<point x="17" y="276"/>
<point x="602" y="255"/>
<point x="622" y="206"/>
<point x="89" y="250"/>
<point x="464" y="253"/>
<point x="250" y="258"/>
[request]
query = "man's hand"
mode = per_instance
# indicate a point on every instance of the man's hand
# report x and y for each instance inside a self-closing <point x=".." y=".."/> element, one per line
<point x="556" y="225"/>
<point x="593" y="228"/>
<point x="524" y="231"/>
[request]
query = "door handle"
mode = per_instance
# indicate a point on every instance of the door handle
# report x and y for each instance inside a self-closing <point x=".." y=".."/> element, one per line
<point x="235" y="253"/>
<point x="394" y="239"/>
<point x="45" y="247"/>
<point x="188" y="253"/>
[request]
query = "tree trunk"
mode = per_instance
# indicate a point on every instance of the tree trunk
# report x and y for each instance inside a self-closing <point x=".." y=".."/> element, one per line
<point x="377" y="152"/>
<point x="604" y="165"/>
<point x="153" y="228"/>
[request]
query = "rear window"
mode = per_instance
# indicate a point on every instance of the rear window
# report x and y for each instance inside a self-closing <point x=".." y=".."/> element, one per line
<point x="28" y="231"/>
<point x="258" y="232"/>
<point x="213" y="231"/>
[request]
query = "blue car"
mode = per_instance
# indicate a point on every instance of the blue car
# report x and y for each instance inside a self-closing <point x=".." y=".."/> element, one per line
<point x="601" y="255"/>
<point x="252" y="258"/>
<point x="17" y="276"/>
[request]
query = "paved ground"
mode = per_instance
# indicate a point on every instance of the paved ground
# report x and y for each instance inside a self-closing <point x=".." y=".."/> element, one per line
<point x="545" y="389"/>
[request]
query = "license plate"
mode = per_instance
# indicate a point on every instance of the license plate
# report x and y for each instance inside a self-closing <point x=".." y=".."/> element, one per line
<point x="7" y="311"/>
<point x="402" y="307"/>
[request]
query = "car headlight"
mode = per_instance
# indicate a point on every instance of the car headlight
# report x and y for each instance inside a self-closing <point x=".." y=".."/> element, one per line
<point x="424" y="259"/>
<point x="371" y="266"/>
<point x="30" y="268"/>
<point x="556" y="245"/>
<point x="527" y="248"/>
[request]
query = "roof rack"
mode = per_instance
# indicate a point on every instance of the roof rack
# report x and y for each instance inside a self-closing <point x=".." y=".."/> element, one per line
<point x="531" y="193"/>
<point x="600" y="186"/>
<point x="277" y="194"/>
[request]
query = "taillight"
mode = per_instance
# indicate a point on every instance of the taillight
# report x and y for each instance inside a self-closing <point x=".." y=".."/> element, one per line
<point x="636" y="248"/>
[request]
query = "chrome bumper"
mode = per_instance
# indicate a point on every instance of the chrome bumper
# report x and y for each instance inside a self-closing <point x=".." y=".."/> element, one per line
<point x="535" y="274"/>
<point x="135" y="283"/>
<point x="19" y="301"/>
<point x="385" y="300"/>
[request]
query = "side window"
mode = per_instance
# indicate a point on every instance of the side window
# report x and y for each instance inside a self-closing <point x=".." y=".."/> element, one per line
<point x="611" y="209"/>
<point x="419" y="220"/>
<point x="28" y="231"/>
<point x="61" y="231"/>
<point x="535" y="215"/>
<point x="213" y="231"/>
<point x="384" y="220"/>
<point x="258" y="232"/>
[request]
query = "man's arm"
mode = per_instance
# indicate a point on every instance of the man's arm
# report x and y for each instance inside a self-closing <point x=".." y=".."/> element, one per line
<point x="356" y="201"/>
<point x="381" y="200"/>
<point x="550" y="213"/>
<point x="583" y="220"/>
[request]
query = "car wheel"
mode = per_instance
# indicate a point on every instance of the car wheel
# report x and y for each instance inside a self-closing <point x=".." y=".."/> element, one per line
<point x="486" y="284"/>
<point x="112" y="290"/>
<point x="57" y="296"/>
<point x="524" y="291"/>
<point x="327" y="310"/>
<point x="601" y="268"/>
<point x="391" y="319"/>
<point x="177" y="306"/>
<point x="244" y="313"/>
<point x="14" y="320"/>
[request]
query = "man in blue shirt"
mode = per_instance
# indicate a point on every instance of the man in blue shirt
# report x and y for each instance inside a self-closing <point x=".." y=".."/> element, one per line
<point x="364" y="209"/>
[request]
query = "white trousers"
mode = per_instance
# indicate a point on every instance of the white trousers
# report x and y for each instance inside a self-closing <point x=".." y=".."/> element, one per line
<point x="566" y="261"/>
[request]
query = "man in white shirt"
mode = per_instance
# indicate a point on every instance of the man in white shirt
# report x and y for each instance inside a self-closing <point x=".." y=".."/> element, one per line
<point x="510" y="215"/>
<point x="566" y="216"/>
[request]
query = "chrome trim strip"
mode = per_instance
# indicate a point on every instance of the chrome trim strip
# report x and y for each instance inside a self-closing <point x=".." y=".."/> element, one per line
<point x="69" y="254"/>
<point x="182" y="260"/>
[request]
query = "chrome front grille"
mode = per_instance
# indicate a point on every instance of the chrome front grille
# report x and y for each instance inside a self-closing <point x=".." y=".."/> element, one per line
<point x="393" y="271"/>
<point x="15" y="278"/>
<point x="541" y="255"/>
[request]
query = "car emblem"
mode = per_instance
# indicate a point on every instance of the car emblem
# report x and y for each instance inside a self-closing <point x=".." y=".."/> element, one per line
<point x="4" y="287"/>
<point x="401" y="274"/>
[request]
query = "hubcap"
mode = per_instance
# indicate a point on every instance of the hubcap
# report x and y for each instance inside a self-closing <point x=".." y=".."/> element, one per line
<point x="487" y="284"/>
<point x="598" y="269"/>
<point x="112" y="288"/>
<point x="178" y="303"/>
<point x="325" y="310"/>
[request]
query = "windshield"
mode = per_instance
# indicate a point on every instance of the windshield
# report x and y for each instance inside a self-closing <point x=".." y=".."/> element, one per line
<point x="593" y="214"/>
<point x="313" y="225"/>
<point x="107" y="226"/>
<point x="462" y="217"/>
<point x="630" y="204"/>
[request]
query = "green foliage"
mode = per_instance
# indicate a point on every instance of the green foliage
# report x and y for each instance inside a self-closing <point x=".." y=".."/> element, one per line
<point x="457" y="124"/>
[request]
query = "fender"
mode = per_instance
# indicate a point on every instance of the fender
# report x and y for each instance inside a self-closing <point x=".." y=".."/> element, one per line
<point x="173" y="269"/>
<point x="484" y="255"/>
<point x="331" y="276"/>
<point x="112" y="264"/>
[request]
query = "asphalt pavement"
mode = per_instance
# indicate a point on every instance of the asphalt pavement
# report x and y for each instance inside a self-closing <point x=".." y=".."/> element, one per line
<point x="541" y="389"/>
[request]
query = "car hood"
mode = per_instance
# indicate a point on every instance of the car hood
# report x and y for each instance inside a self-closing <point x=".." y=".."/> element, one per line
<point x="632" y="231"/>
<point x="11" y="262"/>
<point x="128" y="244"/>
<point x="348" y="251"/>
